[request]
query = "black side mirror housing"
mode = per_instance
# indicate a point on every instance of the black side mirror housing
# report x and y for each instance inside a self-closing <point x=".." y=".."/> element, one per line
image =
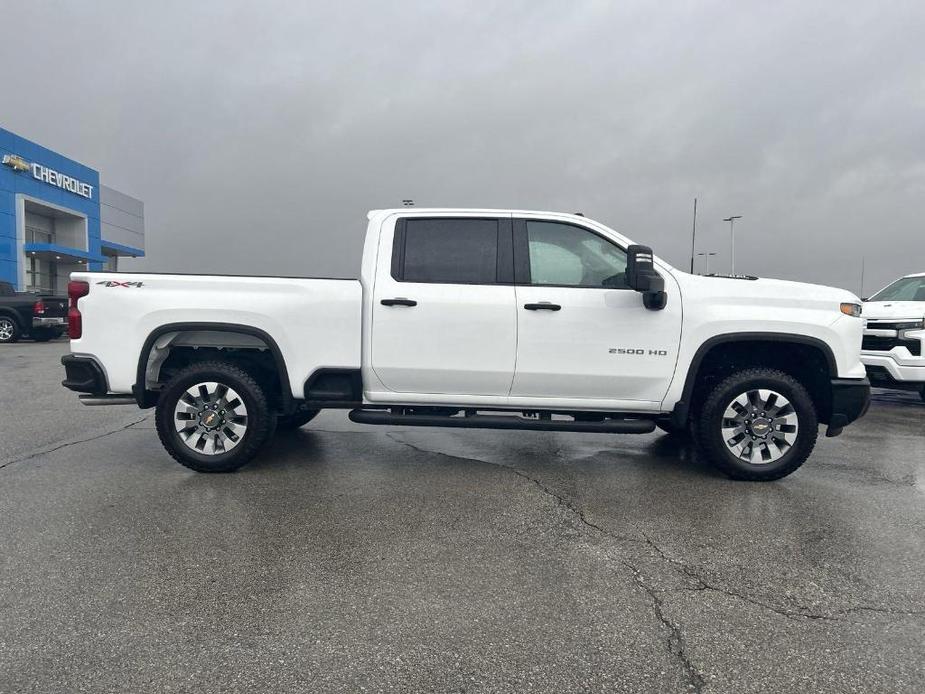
<point x="642" y="277"/>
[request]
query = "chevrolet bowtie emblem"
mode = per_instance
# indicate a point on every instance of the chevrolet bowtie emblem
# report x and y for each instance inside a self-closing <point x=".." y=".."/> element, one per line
<point x="16" y="162"/>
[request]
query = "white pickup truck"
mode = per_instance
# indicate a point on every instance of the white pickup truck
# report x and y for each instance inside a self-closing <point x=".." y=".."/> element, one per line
<point x="477" y="318"/>
<point x="893" y="349"/>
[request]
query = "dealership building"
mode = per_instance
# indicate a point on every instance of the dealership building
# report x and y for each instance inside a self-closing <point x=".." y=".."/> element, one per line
<point x="56" y="217"/>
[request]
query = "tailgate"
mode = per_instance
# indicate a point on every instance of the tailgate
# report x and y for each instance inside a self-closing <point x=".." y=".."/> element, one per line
<point x="55" y="306"/>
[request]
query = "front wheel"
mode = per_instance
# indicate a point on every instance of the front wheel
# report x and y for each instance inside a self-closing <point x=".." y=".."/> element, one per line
<point x="758" y="424"/>
<point x="212" y="417"/>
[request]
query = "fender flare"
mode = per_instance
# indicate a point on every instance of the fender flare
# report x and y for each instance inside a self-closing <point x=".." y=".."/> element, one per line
<point x="142" y="395"/>
<point x="681" y="410"/>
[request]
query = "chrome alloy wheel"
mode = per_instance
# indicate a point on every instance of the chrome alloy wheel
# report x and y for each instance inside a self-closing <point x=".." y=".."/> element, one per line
<point x="759" y="426"/>
<point x="210" y="418"/>
<point x="6" y="329"/>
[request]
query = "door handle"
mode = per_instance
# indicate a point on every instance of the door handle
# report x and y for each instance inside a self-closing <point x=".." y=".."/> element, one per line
<point x="543" y="306"/>
<point x="400" y="301"/>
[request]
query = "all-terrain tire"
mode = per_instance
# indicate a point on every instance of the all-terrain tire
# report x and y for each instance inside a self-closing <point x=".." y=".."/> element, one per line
<point x="710" y="417"/>
<point x="258" y="416"/>
<point x="9" y="330"/>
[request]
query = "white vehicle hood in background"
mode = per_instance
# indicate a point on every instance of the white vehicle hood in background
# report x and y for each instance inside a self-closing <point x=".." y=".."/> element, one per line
<point x="874" y="310"/>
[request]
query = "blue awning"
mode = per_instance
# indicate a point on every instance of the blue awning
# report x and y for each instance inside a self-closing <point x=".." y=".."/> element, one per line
<point x="52" y="251"/>
<point x="122" y="250"/>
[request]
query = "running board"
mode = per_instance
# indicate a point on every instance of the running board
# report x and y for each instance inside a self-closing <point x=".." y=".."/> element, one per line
<point x="96" y="400"/>
<point x="481" y="421"/>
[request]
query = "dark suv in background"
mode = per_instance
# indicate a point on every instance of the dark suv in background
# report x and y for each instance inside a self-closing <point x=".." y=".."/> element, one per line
<point x="24" y="314"/>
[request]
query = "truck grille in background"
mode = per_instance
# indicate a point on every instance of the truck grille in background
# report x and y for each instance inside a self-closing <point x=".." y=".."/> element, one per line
<point x="885" y="344"/>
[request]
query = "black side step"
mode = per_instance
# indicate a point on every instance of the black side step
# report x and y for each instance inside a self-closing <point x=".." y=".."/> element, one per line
<point x="482" y="421"/>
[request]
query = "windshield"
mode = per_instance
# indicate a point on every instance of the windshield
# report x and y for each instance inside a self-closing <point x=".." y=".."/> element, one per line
<point x="906" y="289"/>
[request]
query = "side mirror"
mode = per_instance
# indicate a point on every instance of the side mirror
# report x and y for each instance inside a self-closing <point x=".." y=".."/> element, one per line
<point x="865" y="298"/>
<point x="642" y="277"/>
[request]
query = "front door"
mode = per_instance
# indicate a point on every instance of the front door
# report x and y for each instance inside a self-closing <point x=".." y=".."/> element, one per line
<point x="582" y="333"/>
<point x="443" y="307"/>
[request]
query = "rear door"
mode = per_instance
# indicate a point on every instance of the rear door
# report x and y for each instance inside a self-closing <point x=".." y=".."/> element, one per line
<point x="444" y="319"/>
<point x="583" y="333"/>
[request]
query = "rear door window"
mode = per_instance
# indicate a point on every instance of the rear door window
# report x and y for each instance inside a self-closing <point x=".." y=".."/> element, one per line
<point x="446" y="251"/>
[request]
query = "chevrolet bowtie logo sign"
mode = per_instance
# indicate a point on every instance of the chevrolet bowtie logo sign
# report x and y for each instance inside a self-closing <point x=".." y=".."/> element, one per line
<point x="16" y="162"/>
<point x="50" y="176"/>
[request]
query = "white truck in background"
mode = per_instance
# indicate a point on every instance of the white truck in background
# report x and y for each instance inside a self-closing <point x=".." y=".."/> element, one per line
<point x="893" y="349"/>
<point x="497" y="319"/>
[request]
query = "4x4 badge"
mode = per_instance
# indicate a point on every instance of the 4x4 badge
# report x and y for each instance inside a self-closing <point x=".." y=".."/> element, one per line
<point x="113" y="283"/>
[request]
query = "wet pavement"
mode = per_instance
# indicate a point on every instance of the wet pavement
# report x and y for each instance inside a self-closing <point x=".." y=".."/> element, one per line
<point x="373" y="559"/>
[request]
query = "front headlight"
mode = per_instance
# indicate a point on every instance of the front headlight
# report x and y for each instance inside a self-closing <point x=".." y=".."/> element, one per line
<point x="851" y="310"/>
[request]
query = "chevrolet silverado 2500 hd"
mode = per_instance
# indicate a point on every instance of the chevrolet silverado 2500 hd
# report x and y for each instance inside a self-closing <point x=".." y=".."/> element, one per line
<point x="893" y="349"/>
<point x="477" y="318"/>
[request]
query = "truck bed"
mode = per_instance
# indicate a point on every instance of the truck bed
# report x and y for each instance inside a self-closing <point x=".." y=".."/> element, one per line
<point x="313" y="322"/>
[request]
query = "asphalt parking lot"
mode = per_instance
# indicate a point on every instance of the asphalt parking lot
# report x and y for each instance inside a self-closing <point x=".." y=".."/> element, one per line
<point x="370" y="559"/>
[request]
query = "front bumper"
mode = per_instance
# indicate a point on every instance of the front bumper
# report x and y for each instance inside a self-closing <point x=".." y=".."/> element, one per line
<point x="850" y="400"/>
<point x="894" y="367"/>
<point x="83" y="375"/>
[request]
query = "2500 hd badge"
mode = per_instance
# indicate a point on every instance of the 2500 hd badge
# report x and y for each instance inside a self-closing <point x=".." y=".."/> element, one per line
<point x="640" y="352"/>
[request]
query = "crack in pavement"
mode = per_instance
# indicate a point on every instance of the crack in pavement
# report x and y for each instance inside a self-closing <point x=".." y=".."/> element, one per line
<point x="675" y="638"/>
<point x="68" y="444"/>
<point x="675" y="642"/>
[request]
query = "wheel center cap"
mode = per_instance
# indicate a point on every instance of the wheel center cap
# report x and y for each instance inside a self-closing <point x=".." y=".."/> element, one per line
<point x="210" y="420"/>
<point x="760" y="427"/>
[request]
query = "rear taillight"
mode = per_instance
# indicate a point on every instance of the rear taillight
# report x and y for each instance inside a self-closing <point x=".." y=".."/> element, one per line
<point x="75" y="290"/>
<point x="38" y="308"/>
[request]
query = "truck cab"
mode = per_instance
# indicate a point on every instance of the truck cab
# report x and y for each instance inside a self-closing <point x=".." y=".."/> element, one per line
<point x="501" y="319"/>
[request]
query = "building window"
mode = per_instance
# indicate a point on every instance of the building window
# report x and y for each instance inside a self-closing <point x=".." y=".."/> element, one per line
<point x="40" y="276"/>
<point x="39" y="228"/>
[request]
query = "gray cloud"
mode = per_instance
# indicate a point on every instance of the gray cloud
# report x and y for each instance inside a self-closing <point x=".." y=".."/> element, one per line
<point x="259" y="134"/>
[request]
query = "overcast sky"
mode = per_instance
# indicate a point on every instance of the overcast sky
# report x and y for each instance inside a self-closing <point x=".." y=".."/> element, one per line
<point x="259" y="133"/>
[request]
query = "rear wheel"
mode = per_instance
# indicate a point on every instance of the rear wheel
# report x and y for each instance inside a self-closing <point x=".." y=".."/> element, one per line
<point x="212" y="417"/>
<point x="922" y="393"/>
<point x="9" y="330"/>
<point x="758" y="424"/>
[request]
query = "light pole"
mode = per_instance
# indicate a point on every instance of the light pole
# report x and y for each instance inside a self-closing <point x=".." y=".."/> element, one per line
<point x="732" y="240"/>
<point x="706" y="259"/>
<point x="693" y="235"/>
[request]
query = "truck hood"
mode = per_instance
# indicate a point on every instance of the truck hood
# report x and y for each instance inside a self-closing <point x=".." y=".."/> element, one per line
<point x="894" y="309"/>
<point x="766" y="291"/>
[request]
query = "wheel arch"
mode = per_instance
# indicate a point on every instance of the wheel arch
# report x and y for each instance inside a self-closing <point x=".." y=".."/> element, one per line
<point x="8" y="312"/>
<point x="718" y="346"/>
<point x="146" y="398"/>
